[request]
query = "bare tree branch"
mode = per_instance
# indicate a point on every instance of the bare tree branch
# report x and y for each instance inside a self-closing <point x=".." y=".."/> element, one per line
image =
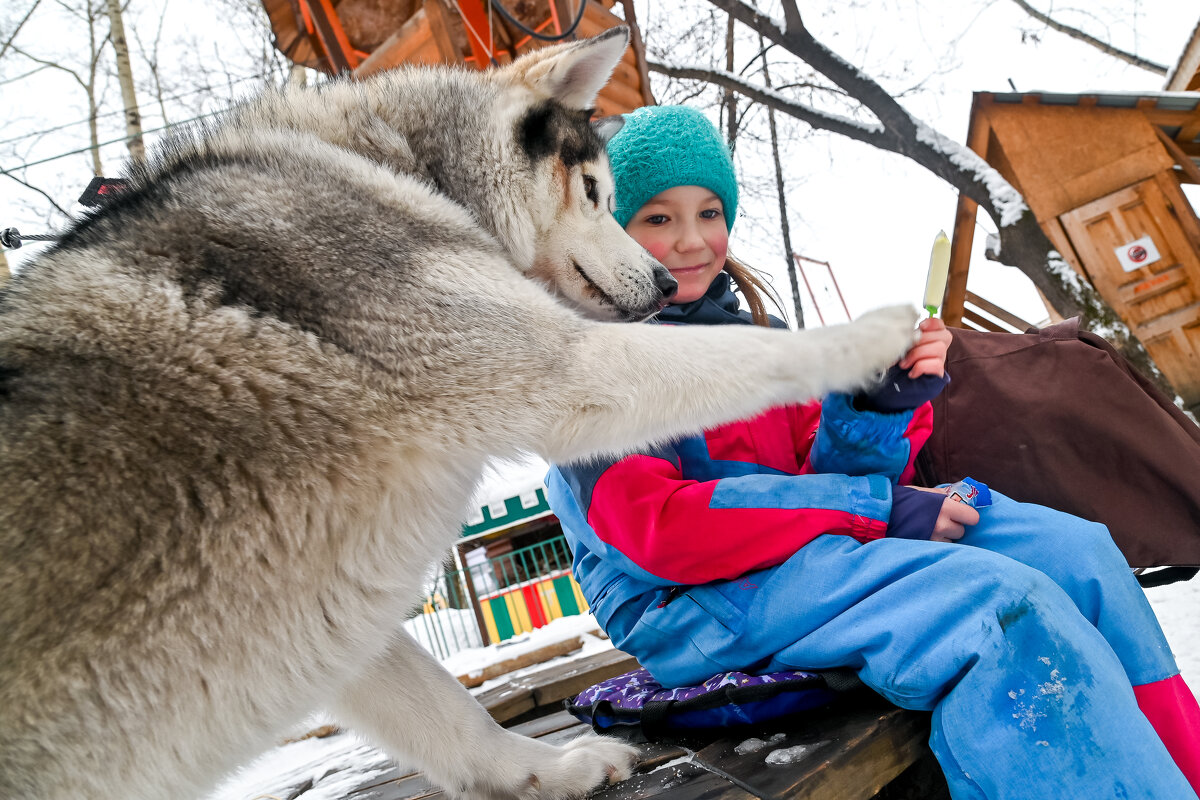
<point x="1103" y="47"/>
<point x="799" y="41"/>
<point x="51" y="65"/>
<point x="870" y="133"/>
<point x="27" y="185"/>
<point x="20" y="25"/>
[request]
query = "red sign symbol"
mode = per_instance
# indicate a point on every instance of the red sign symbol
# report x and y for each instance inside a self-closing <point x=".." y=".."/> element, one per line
<point x="1137" y="254"/>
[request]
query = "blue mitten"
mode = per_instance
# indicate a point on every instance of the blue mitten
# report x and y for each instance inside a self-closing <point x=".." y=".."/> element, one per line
<point x="895" y="391"/>
<point x="914" y="513"/>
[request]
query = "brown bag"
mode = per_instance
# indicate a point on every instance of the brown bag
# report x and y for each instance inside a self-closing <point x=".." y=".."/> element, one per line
<point x="1058" y="417"/>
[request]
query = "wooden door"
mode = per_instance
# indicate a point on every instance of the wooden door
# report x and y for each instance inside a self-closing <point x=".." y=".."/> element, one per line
<point x="1116" y="238"/>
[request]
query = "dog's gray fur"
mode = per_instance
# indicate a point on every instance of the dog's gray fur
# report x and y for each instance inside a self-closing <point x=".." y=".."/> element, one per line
<point x="242" y="408"/>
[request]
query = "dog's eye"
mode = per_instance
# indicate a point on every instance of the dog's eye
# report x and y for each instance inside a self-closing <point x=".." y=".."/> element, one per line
<point x="589" y="187"/>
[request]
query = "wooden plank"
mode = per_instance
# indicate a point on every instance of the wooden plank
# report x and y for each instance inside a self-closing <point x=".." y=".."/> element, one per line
<point x="552" y="685"/>
<point x="681" y="781"/>
<point x="341" y="57"/>
<point x="409" y="44"/>
<point x="446" y="29"/>
<point x="838" y="754"/>
<point x="980" y="322"/>
<point x="1186" y="164"/>
<point x="960" y="260"/>
<point x="559" y="685"/>
<point x="963" y="236"/>
<point x="999" y="313"/>
<point x="537" y="656"/>
<point x="406" y="787"/>
<point x="508" y="701"/>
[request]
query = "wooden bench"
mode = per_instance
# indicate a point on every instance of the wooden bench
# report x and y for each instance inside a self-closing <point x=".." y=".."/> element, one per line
<point x="858" y="749"/>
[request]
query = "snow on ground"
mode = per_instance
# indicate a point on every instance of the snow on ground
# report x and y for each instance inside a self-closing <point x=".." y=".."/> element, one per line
<point x="1177" y="607"/>
<point x="313" y="769"/>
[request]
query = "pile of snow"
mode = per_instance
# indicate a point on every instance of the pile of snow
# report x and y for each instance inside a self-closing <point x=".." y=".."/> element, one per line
<point x="313" y="769"/>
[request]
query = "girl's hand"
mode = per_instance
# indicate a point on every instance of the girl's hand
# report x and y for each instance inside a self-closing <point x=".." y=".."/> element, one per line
<point x="952" y="519"/>
<point x="928" y="355"/>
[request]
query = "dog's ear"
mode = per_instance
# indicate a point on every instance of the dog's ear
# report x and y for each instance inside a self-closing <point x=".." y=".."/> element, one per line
<point x="574" y="73"/>
<point x="607" y="127"/>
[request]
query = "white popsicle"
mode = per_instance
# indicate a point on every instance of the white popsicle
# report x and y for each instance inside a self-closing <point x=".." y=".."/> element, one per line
<point x="939" y="269"/>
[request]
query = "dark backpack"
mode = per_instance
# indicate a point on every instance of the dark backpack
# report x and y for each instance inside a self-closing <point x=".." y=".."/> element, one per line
<point x="1058" y="417"/>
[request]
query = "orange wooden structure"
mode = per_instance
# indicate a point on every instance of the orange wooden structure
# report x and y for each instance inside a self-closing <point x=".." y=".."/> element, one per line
<point x="361" y="37"/>
<point x="1102" y="174"/>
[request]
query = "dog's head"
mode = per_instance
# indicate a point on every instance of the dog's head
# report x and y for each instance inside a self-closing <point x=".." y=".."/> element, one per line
<point x="563" y="232"/>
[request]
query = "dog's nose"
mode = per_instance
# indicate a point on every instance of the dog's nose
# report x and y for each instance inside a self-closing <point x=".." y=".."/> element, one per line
<point x="665" y="282"/>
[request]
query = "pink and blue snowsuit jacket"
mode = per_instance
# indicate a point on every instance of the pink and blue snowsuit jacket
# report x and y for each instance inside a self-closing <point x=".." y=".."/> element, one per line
<point x="727" y="502"/>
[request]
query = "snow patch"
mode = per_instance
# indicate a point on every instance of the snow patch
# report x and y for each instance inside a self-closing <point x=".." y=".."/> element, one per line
<point x="330" y="768"/>
<point x="753" y="745"/>
<point x="788" y="755"/>
<point x="1005" y="198"/>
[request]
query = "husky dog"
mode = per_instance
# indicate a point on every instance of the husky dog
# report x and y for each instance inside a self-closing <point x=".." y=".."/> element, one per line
<point x="243" y="406"/>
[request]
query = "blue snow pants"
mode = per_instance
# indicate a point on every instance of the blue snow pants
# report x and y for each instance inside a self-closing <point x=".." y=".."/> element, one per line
<point x="1024" y="639"/>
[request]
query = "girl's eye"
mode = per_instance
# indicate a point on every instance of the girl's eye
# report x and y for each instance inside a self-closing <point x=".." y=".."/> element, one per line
<point x="656" y="219"/>
<point x="589" y="188"/>
<point x="710" y="213"/>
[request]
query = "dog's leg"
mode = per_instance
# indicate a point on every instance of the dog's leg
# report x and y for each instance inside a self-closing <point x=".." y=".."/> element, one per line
<point x="617" y="386"/>
<point x="413" y="708"/>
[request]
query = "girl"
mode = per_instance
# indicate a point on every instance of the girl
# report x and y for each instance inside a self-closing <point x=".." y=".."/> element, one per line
<point x="793" y="541"/>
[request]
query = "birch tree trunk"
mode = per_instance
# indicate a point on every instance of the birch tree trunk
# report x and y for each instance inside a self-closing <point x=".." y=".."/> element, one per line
<point x="133" y="117"/>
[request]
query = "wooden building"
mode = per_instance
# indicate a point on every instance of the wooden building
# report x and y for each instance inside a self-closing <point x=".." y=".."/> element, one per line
<point x="1102" y="173"/>
<point x="362" y="37"/>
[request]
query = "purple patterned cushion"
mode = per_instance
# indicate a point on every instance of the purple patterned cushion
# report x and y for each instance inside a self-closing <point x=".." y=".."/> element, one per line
<point x="639" y="707"/>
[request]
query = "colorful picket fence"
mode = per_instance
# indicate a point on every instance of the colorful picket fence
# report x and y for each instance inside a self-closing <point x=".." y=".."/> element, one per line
<point x="517" y="592"/>
<point x="521" y="608"/>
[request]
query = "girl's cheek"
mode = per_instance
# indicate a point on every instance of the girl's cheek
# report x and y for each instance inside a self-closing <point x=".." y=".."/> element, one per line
<point x="719" y="245"/>
<point x="657" y="249"/>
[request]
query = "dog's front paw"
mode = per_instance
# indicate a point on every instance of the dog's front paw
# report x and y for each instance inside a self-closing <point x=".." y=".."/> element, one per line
<point x="526" y="769"/>
<point x="585" y="764"/>
<point x="879" y="338"/>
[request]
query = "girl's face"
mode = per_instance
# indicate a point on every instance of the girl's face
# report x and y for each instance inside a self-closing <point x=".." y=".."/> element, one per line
<point x="684" y="228"/>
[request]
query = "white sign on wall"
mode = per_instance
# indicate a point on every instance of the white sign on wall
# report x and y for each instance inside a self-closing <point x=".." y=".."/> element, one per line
<point x="1137" y="254"/>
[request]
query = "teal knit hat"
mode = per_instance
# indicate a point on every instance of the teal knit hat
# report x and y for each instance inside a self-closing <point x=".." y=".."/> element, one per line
<point x="661" y="147"/>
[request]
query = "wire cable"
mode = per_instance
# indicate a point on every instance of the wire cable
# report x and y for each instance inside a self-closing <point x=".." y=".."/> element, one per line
<point x="6" y="170"/>
<point x="122" y="111"/>
<point x="516" y="23"/>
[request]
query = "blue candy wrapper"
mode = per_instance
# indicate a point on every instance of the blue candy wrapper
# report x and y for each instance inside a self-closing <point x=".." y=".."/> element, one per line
<point x="971" y="492"/>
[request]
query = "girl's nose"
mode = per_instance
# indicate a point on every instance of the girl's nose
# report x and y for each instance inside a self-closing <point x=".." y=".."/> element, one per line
<point x="689" y="239"/>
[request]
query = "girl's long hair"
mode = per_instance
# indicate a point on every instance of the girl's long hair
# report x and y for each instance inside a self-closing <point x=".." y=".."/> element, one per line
<point x="751" y="284"/>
